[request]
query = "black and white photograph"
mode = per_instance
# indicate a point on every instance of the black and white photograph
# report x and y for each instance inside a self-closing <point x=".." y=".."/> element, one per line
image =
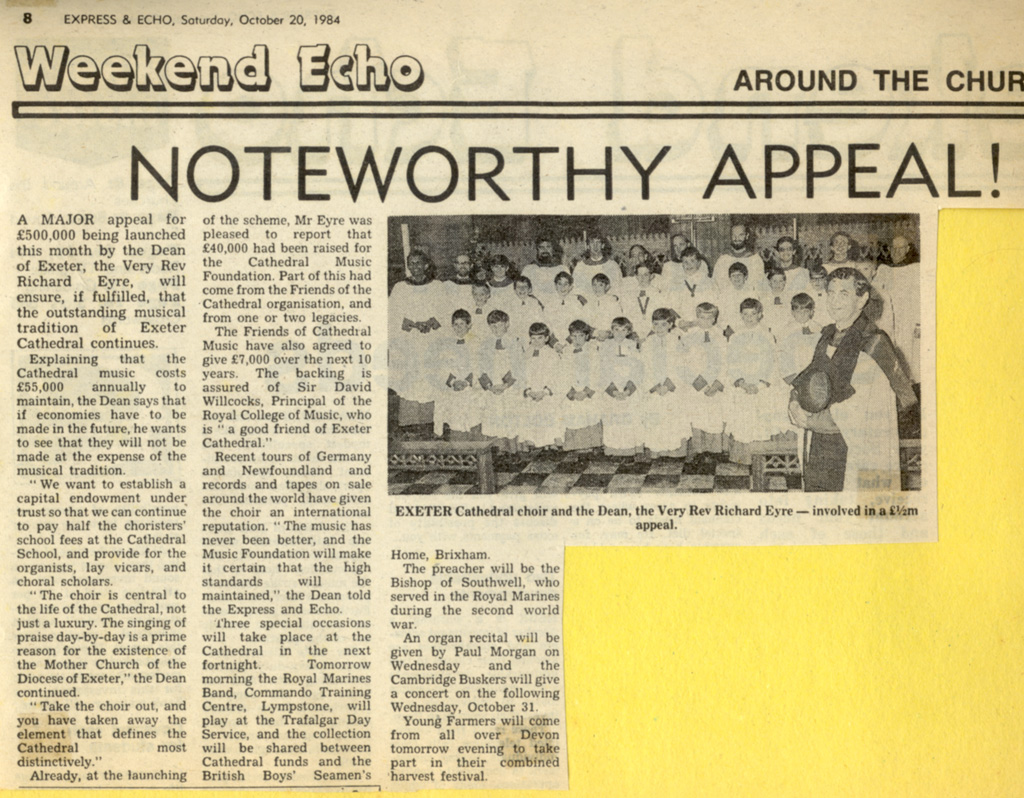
<point x="654" y="354"/>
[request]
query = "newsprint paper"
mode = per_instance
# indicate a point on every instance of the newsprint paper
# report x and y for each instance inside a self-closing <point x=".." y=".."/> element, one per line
<point x="328" y="326"/>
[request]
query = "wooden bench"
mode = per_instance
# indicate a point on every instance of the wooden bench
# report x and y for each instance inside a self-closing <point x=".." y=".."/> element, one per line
<point x="447" y="456"/>
<point x="781" y="459"/>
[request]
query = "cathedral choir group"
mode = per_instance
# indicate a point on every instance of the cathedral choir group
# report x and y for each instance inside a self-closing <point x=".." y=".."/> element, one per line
<point x="639" y="358"/>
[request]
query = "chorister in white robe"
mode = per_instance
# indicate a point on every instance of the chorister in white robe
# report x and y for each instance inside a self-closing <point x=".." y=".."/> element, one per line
<point x="796" y="344"/>
<point x="599" y="312"/>
<point x="500" y="382"/>
<point x="640" y="300"/>
<point x="755" y="271"/>
<point x="704" y="353"/>
<point x="691" y="290"/>
<point x="561" y="310"/>
<point x="457" y="401"/>
<point x="542" y="279"/>
<point x="539" y="418"/>
<point x="523" y="312"/>
<point x="581" y="409"/>
<point x="584" y="272"/>
<point x="413" y="330"/>
<point x="751" y="358"/>
<point x="664" y="395"/>
<point x="621" y="381"/>
<point x="730" y="299"/>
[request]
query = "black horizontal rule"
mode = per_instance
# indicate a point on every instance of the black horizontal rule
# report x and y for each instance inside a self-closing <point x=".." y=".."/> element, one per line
<point x="502" y="109"/>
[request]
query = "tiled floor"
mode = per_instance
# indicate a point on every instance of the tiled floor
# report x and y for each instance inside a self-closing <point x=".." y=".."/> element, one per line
<point x="589" y="472"/>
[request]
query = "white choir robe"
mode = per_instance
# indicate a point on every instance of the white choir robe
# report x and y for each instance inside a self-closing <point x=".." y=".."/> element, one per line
<point x="751" y="357"/>
<point x="902" y="285"/>
<point x="562" y="310"/>
<point x="542" y="279"/>
<point x="666" y="417"/>
<point x="522" y="313"/>
<point x="704" y="352"/>
<point x="778" y="310"/>
<point x="756" y="278"/>
<point x="583" y="398"/>
<point x="622" y="419"/>
<point x="868" y="423"/>
<point x="458" y="407"/>
<point x="795" y="348"/>
<point x="500" y="382"/>
<point x="583" y="274"/>
<point x="600" y="310"/>
<point x="731" y="299"/>
<point x="453" y="296"/>
<point x="410" y="373"/>
<point x="539" y="421"/>
<point x="692" y="290"/>
<point x="639" y="303"/>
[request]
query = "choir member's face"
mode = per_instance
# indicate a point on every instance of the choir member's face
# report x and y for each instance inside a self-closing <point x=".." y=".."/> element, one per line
<point x="803" y="315"/>
<point x="417" y="268"/>
<point x="600" y="288"/>
<point x="679" y="243"/>
<point x="463" y="265"/>
<point x="706" y="319"/>
<point x="522" y="289"/>
<point x="545" y="252"/>
<point x="738" y="279"/>
<point x="899" y="250"/>
<point x="777" y="283"/>
<point x="787" y="252"/>
<point x="843" y="303"/>
<point x="819" y="282"/>
<point x="499" y="270"/>
<point x="661" y="326"/>
<point x="578" y="338"/>
<point x="644" y="276"/>
<point x="840" y="249"/>
<point x="691" y="263"/>
<point x="537" y="340"/>
<point x="596" y="248"/>
<point x="637" y="255"/>
<point x="869" y="269"/>
<point x="738" y="237"/>
<point x="619" y="332"/>
<point x="481" y="294"/>
<point x="563" y="286"/>
<point x="751" y="317"/>
<point x="499" y="328"/>
<point x="461" y="327"/>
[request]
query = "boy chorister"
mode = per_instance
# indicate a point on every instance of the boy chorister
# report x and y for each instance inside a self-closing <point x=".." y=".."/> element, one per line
<point x="704" y="348"/>
<point x="622" y="377"/>
<point x="524" y="309"/>
<point x="738" y="288"/>
<point x="539" y="420"/>
<point x="582" y="406"/>
<point x="776" y="310"/>
<point x="457" y="404"/>
<point x="500" y="377"/>
<point x="751" y="377"/>
<point x="666" y="421"/>
<point x="601" y="307"/>
<point x="563" y="308"/>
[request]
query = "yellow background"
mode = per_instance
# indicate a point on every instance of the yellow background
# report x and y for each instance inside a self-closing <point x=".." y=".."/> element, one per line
<point x="831" y="670"/>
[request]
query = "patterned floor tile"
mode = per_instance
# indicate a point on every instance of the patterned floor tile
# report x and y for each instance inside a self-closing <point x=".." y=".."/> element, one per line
<point x="696" y="483"/>
<point x="626" y="483"/>
<point x="602" y="467"/>
<point x="541" y="467"/>
<point x="732" y="470"/>
<point x="732" y="483"/>
<point x="659" y="483"/>
<point x="451" y="490"/>
<point x="558" y="483"/>
<point x="669" y="467"/>
<point x="436" y="478"/>
<point x="590" y="480"/>
<point x="533" y="479"/>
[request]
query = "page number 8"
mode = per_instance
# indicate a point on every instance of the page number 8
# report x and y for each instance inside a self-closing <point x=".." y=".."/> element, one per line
<point x="27" y="18"/>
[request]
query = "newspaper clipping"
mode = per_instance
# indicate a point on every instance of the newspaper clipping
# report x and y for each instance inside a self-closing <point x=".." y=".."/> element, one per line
<point x="329" y="326"/>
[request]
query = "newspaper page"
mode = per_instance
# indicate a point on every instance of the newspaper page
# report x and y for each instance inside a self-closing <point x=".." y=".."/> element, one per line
<point x="328" y="327"/>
